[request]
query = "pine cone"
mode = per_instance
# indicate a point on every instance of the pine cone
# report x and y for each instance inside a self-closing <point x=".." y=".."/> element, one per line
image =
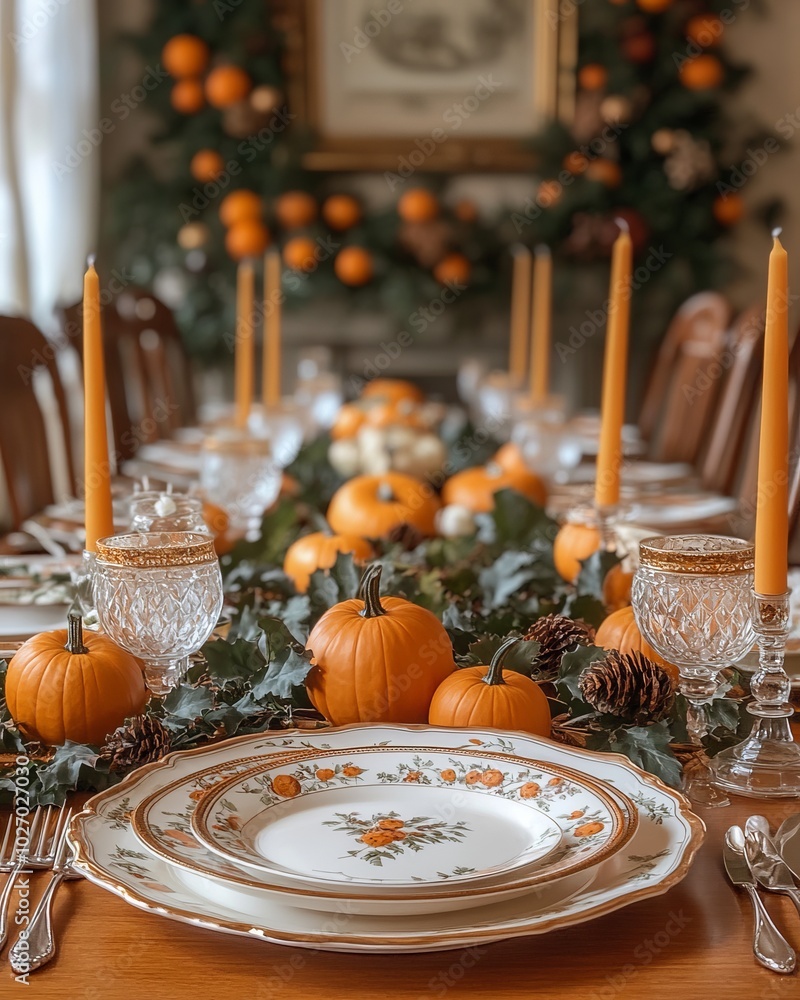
<point x="556" y="635"/>
<point x="629" y="686"/>
<point x="406" y="535"/>
<point x="143" y="739"/>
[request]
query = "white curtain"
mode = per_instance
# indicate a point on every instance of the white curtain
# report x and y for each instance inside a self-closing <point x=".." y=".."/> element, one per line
<point x="49" y="159"/>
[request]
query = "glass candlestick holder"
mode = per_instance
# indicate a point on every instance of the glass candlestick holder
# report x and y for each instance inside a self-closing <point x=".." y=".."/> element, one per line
<point x="767" y="763"/>
<point x="82" y="579"/>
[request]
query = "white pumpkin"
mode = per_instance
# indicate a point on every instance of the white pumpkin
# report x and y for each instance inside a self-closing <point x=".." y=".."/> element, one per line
<point x="455" y="520"/>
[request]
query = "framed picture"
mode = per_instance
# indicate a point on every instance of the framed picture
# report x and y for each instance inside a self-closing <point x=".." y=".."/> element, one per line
<point x="439" y="84"/>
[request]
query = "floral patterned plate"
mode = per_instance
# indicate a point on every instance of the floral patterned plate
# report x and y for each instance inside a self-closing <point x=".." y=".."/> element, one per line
<point x="108" y="853"/>
<point x="408" y="819"/>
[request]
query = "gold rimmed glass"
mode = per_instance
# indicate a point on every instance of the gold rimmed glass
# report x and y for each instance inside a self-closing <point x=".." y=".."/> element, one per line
<point x="691" y="600"/>
<point x="158" y="595"/>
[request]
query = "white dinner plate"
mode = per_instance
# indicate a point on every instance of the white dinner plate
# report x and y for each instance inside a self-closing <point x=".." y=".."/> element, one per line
<point x="107" y="852"/>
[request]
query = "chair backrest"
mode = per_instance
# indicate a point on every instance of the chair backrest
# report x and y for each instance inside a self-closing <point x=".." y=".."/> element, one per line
<point x="24" y="451"/>
<point x="147" y="371"/>
<point x="737" y="402"/>
<point x="680" y="395"/>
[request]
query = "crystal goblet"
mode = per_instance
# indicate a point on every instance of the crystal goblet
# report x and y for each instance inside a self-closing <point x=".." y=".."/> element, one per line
<point x="158" y="595"/>
<point x="152" y="510"/>
<point x="691" y="600"/>
<point x="240" y="474"/>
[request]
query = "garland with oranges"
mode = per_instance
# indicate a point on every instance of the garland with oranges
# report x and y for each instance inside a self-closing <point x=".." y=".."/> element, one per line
<point x="646" y="142"/>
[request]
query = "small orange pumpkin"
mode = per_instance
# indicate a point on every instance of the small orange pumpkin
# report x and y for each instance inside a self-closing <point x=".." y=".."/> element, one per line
<point x="574" y="543"/>
<point x="67" y="685"/>
<point x="509" y="458"/>
<point x="475" y="488"/>
<point x="620" y="631"/>
<point x="349" y="420"/>
<point x="491" y="696"/>
<point x="370" y="506"/>
<point x="393" y="390"/>
<point x="377" y="660"/>
<point x="617" y="588"/>
<point x="319" y="551"/>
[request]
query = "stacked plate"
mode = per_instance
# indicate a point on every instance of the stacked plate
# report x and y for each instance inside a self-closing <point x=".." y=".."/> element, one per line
<point x="386" y="838"/>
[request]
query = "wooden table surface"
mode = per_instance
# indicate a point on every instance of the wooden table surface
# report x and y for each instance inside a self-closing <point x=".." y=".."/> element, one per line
<point x="693" y="942"/>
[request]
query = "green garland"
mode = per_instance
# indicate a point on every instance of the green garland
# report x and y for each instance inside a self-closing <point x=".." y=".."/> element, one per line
<point x="483" y="588"/>
<point x="669" y="196"/>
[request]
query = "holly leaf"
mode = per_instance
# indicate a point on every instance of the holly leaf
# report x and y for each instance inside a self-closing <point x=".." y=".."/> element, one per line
<point x="481" y="651"/>
<point x="594" y="571"/>
<point x="646" y="746"/>
<point x="287" y="662"/>
<point x="186" y="703"/>
<point x="328" y="587"/>
<point x="519" y="522"/>
<point x="73" y="766"/>
<point x="585" y="606"/>
<point x="235" y="660"/>
<point x="572" y="667"/>
<point x="521" y="658"/>
<point x="512" y="572"/>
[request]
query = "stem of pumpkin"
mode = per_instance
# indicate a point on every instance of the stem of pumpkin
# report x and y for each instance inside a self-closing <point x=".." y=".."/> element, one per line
<point x="494" y="675"/>
<point x="75" y="635"/>
<point x="370" y="592"/>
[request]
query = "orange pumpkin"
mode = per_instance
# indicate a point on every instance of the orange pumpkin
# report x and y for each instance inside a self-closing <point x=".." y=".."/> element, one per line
<point x="574" y="543"/>
<point x="348" y="422"/>
<point x="370" y="506"/>
<point x="475" y="488"/>
<point x="377" y="660"/>
<point x="509" y="457"/>
<point x="390" y="414"/>
<point x="491" y="696"/>
<point x="620" y="631"/>
<point x="319" y="551"/>
<point x="617" y="588"/>
<point x="65" y="685"/>
<point x="394" y="390"/>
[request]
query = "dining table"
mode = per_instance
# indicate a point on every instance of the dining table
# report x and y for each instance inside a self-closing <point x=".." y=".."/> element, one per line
<point x="692" y="942"/>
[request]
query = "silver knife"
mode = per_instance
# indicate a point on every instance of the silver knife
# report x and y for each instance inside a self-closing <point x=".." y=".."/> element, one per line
<point x="770" y="947"/>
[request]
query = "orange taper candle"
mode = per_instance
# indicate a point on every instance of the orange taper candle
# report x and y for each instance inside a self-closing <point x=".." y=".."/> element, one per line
<point x="541" y="323"/>
<point x="520" y="313"/>
<point x="99" y="518"/>
<point x="271" y="376"/>
<point x="615" y="365"/>
<point x="772" y="505"/>
<point x="244" y="354"/>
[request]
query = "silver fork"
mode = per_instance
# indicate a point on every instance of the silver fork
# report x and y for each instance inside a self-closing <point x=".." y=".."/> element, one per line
<point x="37" y="850"/>
<point x="36" y="944"/>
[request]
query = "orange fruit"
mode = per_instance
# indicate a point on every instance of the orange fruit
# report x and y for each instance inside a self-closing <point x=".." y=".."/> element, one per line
<point x="472" y="777"/>
<point x="325" y="773"/>
<point x="575" y="162"/>
<point x="418" y="205"/>
<point x="187" y="96"/>
<point x="701" y="73"/>
<point x="492" y="778"/>
<point x="341" y="211"/>
<point x="592" y="77"/>
<point x="185" y="55"/>
<point x="352" y="771"/>
<point x="353" y="266"/>
<point x="465" y="210"/>
<point x="448" y="774"/>
<point x="588" y="829"/>
<point x="227" y="85"/>
<point x="286" y="786"/>
<point x="529" y="790"/>
<point x="704" y="29"/>
<point x="295" y="209"/>
<point x="455" y="268"/>
<point x="728" y="209"/>
<point x="239" y="206"/>
<point x="248" y="238"/>
<point x="206" y="165"/>
<point x="654" y="6"/>
<point x="300" y="253"/>
<point x="605" y="171"/>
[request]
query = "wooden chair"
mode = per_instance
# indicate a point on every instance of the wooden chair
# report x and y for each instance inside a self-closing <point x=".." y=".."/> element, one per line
<point x="680" y="397"/>
<point x="738" y="399"/>
<point x="24" y="450"/>
<point x="147" y="370"/>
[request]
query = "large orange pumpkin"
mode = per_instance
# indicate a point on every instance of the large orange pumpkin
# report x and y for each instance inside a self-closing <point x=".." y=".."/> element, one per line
<point x="67" y="685"/>
<point x="574" y="543"/>
<point x="620" y="631"/>
<point x="319" y="551"/>
<point x="377" y="660"/>
<point x="475" y="488"/>
<point x="393" y="390"/>
<point x="371" y="506"/>
<point x="491" y="696"/>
